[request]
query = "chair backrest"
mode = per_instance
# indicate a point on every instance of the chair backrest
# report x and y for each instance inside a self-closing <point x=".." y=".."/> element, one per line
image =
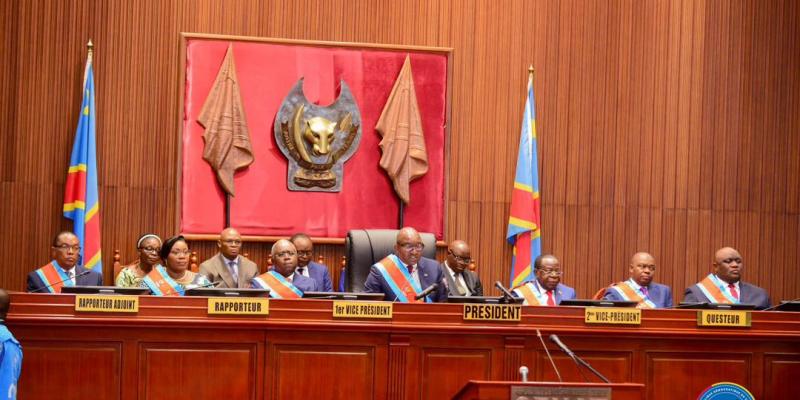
<point x="365" y="247"/>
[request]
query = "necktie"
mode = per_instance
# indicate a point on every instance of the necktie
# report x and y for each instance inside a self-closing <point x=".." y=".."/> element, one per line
<point x="550" y="300"/>
<point x="301" y="271"/>
<point x="72" y="278"/>
<point x="644" y="291"/>
<point x="460" y="289"/>
<point x="410" y="269"/>
<point x="234" y="272"/>
<point x="735" y="294"/>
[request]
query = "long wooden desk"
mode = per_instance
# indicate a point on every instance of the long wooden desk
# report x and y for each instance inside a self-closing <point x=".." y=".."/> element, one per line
<point x="172" y="349"/>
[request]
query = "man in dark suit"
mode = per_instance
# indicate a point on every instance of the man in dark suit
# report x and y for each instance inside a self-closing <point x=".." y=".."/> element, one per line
<point x="404" y="274"/>
<point x="640" y="286"/>
<point x="724" y="283"/>
<point x="63" y="269"/>
<point x="546" y="289"/>
<point x="227" y="268"/>
<point x="459" y="279"/>
<point x="316" y="271"/>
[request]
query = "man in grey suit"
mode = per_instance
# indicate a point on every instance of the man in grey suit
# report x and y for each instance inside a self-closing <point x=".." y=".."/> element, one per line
<point x="228" y="269"/>
<point x="459" y="279"/>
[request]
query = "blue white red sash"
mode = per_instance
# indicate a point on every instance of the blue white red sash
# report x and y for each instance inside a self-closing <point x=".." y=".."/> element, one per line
<point x="160" y="283"/>
<point x="400" y="281"/>
<point x="54" y="277"/>
<point x="532" y="293"/>
<point x="279" y="287"/>
<point x="630" y="291"/>
<point x="716" y="290"/>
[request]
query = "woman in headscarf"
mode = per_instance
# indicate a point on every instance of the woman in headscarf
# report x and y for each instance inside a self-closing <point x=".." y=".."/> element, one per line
<point x="148" y="247"/>
<point x="174" y="277"/>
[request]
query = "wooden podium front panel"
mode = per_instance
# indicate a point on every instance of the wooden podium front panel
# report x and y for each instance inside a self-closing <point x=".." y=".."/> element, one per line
<point x="781" y="375"/>
<point x="70" y="369"/>
<point x="616" y="366"/>
<point x="445" y="369"/>
<point x="694" y="372"/>
<point x="323" y="372"/>
<point x="195" y="371"/>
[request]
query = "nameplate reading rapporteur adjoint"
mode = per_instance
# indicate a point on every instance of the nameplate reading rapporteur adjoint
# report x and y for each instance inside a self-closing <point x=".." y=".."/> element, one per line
<point x="103" y="303"/>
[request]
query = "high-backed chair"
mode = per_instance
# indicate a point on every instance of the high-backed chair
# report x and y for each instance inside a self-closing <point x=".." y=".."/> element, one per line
<point x="365" y="247"/>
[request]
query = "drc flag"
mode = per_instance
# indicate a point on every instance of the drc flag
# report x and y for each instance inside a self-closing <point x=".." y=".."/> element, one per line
<point x="81" y="203"/>
<point x="524" y="228"/>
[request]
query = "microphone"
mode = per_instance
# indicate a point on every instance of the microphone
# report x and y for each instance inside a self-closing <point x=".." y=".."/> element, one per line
<point x="562" y="346"/>
<point x="547" y="351"/>
<point x="509" y="298"/>
<point x="579" y="361"/>
<point x="428" y="290"/>
<point x="182" y="292"/>
<point x="61" y="281"/>
<point x="523" y="370"/>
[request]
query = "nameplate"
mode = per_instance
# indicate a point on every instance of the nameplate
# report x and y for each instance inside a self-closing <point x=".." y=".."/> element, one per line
<point x="221" y="305"/>
<point x="492" y="312"/>
<point x="723" y="318"/>
<point x="361" y="309"/>
<point x="104" y="303"/>
<point x="618" y="316"/>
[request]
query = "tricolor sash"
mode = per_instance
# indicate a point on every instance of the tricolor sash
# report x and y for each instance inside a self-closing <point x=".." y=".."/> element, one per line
<point x="54" y="277"/>
<point x="532" y="294"/>
<point x="160" y="283"/>
<point x="278" y="286"/>
<point x="628" y="292"/>
<point x="716" y="291"/>
<point x="396" y="275"/>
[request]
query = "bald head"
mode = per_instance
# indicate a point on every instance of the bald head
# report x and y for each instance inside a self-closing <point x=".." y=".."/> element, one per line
<point x="642" y="268"/>
<point x="5" y="302"/>
<point x="458" y="256"/>
<point x="230" y="243"/>
<point x="728" y="264"/>
<point x="408" y="246"/>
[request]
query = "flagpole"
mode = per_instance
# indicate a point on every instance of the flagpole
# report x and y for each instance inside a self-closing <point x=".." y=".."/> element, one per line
<point x="227" y="210"/>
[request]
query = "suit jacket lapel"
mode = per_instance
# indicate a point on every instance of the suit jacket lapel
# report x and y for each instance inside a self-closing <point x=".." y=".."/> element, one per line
<point x="224" y="272"/>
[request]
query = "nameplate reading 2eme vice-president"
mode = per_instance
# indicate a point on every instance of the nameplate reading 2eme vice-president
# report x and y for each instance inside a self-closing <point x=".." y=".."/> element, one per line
<point x="619" y="316"/>
<point x="732" y="318"/>
<point x="102" y="303"/>
<point x="492" y="312"/>
<point x="256" y="306"/>
<point x="361" y="309"/>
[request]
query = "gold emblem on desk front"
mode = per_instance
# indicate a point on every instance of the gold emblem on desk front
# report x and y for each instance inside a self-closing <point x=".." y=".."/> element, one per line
<point x="361" y="309"/>
<point x="492" y="312"/>
<point x="245" y="306"/>
<point x="617" y="316"/>
<point x="723" y="318"/>
<point x="104" y="303"/>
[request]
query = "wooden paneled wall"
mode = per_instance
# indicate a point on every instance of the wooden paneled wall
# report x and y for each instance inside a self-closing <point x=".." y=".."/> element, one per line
<point x="666" y="126"/>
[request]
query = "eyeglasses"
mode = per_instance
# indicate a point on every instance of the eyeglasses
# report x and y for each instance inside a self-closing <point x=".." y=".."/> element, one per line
<point x="285" y="253"/>
<point x="411" y="246"/>
<point x="65" y="248"/>
<point x="647" y="267"/>
<point x="460" y="259"/>
<point x="150" y="249"/>
<point x="554" y="272"/>
<point x="180" y="252"/>
<point x="303" y="252"/>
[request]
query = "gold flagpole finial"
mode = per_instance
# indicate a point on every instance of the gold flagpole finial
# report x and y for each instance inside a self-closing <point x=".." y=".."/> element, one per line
<point x="90" y="48"/>
<point x="530" y="70"/>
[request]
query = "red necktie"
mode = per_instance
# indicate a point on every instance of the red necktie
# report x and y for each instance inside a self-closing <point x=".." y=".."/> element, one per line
<point x="550" y="300"/>
<point x="735" y="294"/>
